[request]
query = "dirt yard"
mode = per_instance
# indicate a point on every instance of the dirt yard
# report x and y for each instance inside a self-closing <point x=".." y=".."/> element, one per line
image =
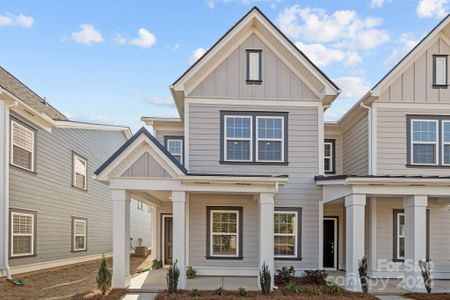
<point x="70" y="282"/>
<point x="423" y="296"/>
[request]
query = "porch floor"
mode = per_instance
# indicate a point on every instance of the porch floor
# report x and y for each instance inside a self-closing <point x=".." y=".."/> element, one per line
<point x="155" y="280"/>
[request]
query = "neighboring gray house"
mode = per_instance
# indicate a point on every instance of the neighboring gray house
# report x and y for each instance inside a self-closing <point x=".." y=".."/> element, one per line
<point x="250" y="173"/>
<point x="52" y="211"/>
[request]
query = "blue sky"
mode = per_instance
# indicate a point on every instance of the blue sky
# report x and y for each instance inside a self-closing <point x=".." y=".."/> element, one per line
<point x="111" y="62"/>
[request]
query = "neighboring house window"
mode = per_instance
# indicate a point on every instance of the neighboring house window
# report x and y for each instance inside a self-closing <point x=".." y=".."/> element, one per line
<point x="175" y="147"/>
<point x="22" y="233"/>
<point x="446" y="143"/>
<point x="254" y="73"/>
<point x="424" y="142"/>
<point x="238" y="138"/>
<point x="254" y="137"/>
<point x="225" y="232"/>
<point x="329" y="156"/>
<point x="287" y="233"/>
<point x="440" y="70"/>
<point x="79" y="230"/>
<point x="399" y="234"/>
<point x="22" y="146"/>
<point x="79" y="172"/>
<point x="269" y="138"/>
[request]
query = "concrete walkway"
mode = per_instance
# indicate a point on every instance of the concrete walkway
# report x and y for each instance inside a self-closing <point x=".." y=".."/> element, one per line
<point x="140" y="296"/>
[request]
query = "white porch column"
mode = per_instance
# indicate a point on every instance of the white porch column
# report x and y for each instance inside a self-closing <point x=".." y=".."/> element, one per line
<point x="154" y="223"/>
<point x="355" y="211"/>
<point x="415" y="240"/>
<point x="266" y="210"/>
<point x="179" y="234"/>
<point x="121" y="239"/>
<point x="4" y="188"/>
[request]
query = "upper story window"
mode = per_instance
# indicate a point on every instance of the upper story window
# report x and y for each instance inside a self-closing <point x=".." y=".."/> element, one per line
<point x="254" y="137"/>
<point x="329" y="156"/>
<point x="79" y="175"/>
<point x="440" y="70"/>
<point x="175" y="145"/>
<point x="22" y="146"/>
<point x="254" y="72"/>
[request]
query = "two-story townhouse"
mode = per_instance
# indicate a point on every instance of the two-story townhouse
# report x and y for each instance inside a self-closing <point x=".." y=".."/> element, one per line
<point x="52" y="211"/>
<point x="246" y="148"/>
<point x="386" y="194"/>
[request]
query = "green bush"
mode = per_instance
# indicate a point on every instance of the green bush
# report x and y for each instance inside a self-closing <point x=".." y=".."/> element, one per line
<point x="104" y="276"/>
<point x="362" y="270"/>
<point x="293" y="288"/>
<point x="242" y="292"/>
<point x="190" y="272"/>
<point x="195" y="293"/>
<point x="310" y="290"/>
<point x="156" y="264"/>
<point x="285" y="275"/>
<point x="425" y="269"/>
<point x="265" y="279"/>
<point x="172" y="278"/>
<point x="315" y="276"/>
<point x="220" y="291"/>
<point x="335" y="289"/>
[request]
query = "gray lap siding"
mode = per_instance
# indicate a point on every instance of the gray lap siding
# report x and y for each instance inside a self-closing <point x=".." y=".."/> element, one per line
<point x="300" y="191"/>
<point x="49" y="192"/>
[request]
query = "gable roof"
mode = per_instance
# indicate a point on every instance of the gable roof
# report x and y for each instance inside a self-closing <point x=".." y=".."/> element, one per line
<point x="15" y="87"/>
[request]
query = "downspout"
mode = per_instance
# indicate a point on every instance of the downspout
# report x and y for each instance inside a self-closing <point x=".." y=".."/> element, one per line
<point x="369" y="135"/>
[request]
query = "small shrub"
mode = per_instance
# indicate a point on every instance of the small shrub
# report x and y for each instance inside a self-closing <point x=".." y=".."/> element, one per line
<point x="310" y="290"/>
<point x="172" y="278"/>
<point x="220" y="291"/>
<point x="285" y="275"/>
<point x="195" y="293"/>
<point x="315" y="276"/>
<point x="293" y="288"/>
<point x="335" y="289"/>
<point x="425" y="269"/>
<point x="242" y="292"/>
<point x="190" y="272"/>
<point x="104" y="276"/>
<point x="265" y="279"/>
<point x="362" y="270"/>
<point x="156" y="264"/>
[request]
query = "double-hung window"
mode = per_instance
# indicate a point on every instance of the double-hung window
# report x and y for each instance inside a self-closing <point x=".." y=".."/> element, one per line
<point x="446" y="142"/>
<point x="238" y="138"/>
<point x="22" y="146"/>
<point x="424" y="142"/>
<point x="270" y="138"/>
<point x="225" y="232"/>
<point x="175" y="147"/>
<point x="79" y="230"/>
<point x="79" y="175"/>
<point x="22" y="233"/>
<point x="329" y="156"/>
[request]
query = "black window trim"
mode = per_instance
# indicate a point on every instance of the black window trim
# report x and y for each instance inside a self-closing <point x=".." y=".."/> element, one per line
<point x="253" y="115"/>
<point x="440" y="155"/>
<point x="248" y="80"/>
<point x="24" y="211"/>
<point x="299" y="233"/>
<point x="394" y="235"/>
<point x="175" y="137"/>
<point x="333" y="156"/>
<point x="435" y="85"/>
<point x="240" y="255"/>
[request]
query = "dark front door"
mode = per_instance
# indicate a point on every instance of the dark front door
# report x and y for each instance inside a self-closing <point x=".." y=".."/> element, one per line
<point x="168" y="234"/>
<point x="329" y="243"/>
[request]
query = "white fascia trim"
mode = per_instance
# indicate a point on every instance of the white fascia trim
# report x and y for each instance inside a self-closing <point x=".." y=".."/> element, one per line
<point x="151" y="120"/>
<point x="424" y="182"/>
<point x="253" y="101"/>
<point x="56" y="263"/>
<point x="418" y="106"/>
<point x="81" y="125"/>
<point x="233" y="179"/>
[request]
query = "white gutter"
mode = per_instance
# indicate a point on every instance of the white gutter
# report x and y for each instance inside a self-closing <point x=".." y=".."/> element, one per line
<point x="369" y="136"/>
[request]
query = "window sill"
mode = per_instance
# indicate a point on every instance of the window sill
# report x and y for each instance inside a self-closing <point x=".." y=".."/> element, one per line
<point x="289" y="258"/>
<point x="330" y="173"/>
<point x="79" y="189"/>
<point x="427" y="166"/>
<point x="75" y="251"/>
<point x="225" y="257"/>
<point x="440" y="86"/>
<point x="258" y="82"/>
<point x="22" y="256"/>
<point x="226" y="162"/>
<point x="23" y="169"/>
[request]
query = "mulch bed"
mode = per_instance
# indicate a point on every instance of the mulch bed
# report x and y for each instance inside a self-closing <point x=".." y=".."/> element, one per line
<point x="432" y="296"/>
<point x="97" y="295"/>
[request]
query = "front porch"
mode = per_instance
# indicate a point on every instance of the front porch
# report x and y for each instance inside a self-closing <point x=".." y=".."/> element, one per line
<point x="393" y="222"/>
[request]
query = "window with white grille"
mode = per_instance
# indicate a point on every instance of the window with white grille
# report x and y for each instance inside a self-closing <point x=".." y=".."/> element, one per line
<point x="22" y="146"/>
<point x="79" y="234"/>
<point x="22" y="234"/>
<point x="79" y="172"/>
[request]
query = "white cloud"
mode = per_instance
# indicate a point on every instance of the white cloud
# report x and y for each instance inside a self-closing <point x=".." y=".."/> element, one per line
<point x="323" y="56"/>
<point x="159" y="101"/>
<point x="119" y="39"/>
<point x="432" y="8"/>
<point x="146" y="39"/>
<point x="407" y="42"/>
<point x="378" y="3"/>
<point x="343" y="28"/>
<point x="88" y="35"/>
<point x="16" y="20"/>
<point x="352" y="87"/>
<point x="196" y="54"/>
<point x="174" y="47"/>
